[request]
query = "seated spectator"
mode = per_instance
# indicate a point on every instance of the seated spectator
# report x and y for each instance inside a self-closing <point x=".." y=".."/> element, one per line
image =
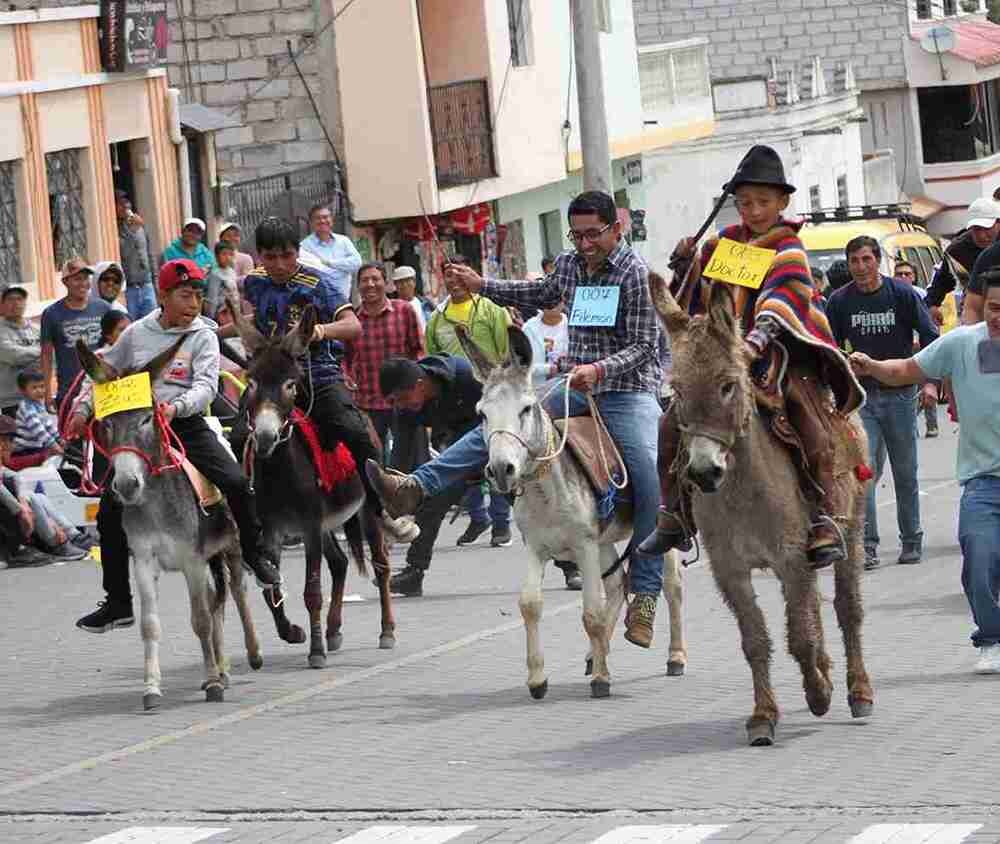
<point x="37" y="430"/>
<point x="221" y="281"/>
<point x="20" y="347"/>
<point x="108" y="281"/>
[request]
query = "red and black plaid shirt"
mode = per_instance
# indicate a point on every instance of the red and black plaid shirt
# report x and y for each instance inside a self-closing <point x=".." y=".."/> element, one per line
<point x="392" y="333"/>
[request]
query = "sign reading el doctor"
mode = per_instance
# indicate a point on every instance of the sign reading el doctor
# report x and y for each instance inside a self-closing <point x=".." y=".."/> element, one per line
<point x="739" y="263"/>
<point x="133" y="34"/>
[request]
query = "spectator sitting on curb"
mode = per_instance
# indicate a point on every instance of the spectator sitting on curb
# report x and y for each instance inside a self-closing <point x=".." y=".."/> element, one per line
<point x="37" y="429"/>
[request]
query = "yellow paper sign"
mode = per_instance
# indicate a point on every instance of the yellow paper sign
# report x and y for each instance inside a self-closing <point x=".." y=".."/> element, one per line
<point x="128" y="393"/>
<point x="739" y="263"/>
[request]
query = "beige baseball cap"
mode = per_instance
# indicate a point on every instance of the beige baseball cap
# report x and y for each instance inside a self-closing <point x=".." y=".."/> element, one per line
<point x="74" y="266"/>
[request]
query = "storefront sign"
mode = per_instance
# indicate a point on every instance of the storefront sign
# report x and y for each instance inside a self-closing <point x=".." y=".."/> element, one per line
<point x="133" y="34"/>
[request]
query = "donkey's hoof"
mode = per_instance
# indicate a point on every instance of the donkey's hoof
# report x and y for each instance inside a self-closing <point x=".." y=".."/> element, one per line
<point x="151" y="701"/>
<point x="539" y="691"/>
<point x="317" y="660"/>
<point x="255" y="661"/>
<point x="334" y="641"/>
<point x="860" y="708"/>
<point x="295" y="635"/>
<point x="590" y="667"/>
<point x="600" y="688"/>
<point x="214" y="692"/>
<point x="386" y="642"/>
<point x="675" y="668"/>
<point x="760" y="735"/>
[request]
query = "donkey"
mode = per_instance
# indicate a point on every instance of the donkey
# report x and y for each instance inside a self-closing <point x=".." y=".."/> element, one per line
<point x="751" y="512"/>
<point x="290" y="499"/>
<point x="167" y="530"/>
<point x="557" y="514"/>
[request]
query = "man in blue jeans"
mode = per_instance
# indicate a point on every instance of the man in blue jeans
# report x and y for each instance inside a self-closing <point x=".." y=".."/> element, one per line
<point x="878" y="315"/>
<point x="970" y="357"/>
<point x="613" y="350"/>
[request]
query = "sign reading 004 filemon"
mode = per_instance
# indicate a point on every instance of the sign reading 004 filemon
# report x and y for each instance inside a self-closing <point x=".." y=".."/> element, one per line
<point x="129" y="393"/>
<point x="739" y="263"/>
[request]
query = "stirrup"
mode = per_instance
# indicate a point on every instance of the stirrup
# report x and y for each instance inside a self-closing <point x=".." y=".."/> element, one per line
<point x="830" y="553"/>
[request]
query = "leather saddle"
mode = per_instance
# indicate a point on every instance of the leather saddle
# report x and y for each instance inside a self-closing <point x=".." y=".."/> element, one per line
<point x="205" y="491"/>
<point x="587" y="436"/>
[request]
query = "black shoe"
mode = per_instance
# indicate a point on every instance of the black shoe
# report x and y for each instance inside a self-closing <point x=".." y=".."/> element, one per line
<point x="107" y="617"/>
<point x="660" y="541"/>
<point x="871" y="559"/>
<point x="263" y="569"/>
<point x="28" y="556"/>
<point x="473" y="532"/>
<point x="501" y="537"/>
<point x="931" y="432"/>
<point x="574" y="582"/>
<point x="408" y="582"/>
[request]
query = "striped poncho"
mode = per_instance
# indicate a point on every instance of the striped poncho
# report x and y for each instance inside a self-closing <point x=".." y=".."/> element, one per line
<point x="788" y="296"/>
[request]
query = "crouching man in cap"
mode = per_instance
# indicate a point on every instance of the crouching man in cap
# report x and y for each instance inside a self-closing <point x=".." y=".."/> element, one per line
<point x="782" y="307"/>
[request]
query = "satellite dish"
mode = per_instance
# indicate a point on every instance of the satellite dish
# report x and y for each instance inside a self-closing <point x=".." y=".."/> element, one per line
<point x="938" y="40"/>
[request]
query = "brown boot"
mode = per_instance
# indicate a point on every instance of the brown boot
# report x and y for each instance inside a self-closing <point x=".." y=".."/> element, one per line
<point x="639" y="619"/>
<point x="809" y="410"/>
<point x="401" y="495"/>
<point x="670" y="531"/>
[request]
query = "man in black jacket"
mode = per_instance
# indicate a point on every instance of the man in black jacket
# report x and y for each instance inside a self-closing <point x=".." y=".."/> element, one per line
<point x="438" y="392"/>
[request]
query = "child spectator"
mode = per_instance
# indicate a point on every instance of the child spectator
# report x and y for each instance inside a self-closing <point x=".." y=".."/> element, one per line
<point x="37" y="429"/>
<point x="113" y="323"/>
<point x="221" y="281"/>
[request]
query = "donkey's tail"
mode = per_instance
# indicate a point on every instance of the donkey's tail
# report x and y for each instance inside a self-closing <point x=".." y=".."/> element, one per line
<point x="218" y="569"/>
<point x="356" y="542"/>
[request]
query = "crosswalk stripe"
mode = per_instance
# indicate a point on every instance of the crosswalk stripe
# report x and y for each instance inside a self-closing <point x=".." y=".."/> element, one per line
<point x="677" y="834"/>
<point x="160" y="835"/>
<point x="916" y="833"/>
<point x="406" y="835"/>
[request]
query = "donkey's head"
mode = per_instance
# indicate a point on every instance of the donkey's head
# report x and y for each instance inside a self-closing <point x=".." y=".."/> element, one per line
<point x="512" y="417"/>
<point x="711" y="381"/>
<point x="274" y="376"/>
<point x="133" y="438"/>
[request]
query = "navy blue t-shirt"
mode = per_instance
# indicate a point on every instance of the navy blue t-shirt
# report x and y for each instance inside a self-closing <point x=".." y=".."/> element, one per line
<point x="880" y="324"/>
<point x="62" y="326"/>
<point x="277" y="306"/>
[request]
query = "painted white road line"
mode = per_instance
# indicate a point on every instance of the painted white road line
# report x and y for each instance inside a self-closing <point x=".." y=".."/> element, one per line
<point x="353" y="599"/>
<point x="916" y="833"/>
<point x="160" y="835"/>
<point x="677" y="834"/>
<point x="406" y="835"/>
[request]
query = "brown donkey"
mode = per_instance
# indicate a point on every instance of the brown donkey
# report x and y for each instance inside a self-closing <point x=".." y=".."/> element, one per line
<point x="751" y="513"/>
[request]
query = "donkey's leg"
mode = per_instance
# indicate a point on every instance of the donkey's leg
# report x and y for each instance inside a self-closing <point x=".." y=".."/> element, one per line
<point x="805" y="634"/>
<point x="614" y="597"/>
<point x="238" y="587"/>
<point x="336" y="559"/>
<point x="275" y="598"/>
<point x="588" y="557"/>
<point x="673" y="591"/>
<point x="196" y="573"/>
<point x="850" y="615"/>
<point x="380" y="562"/>
<point x="313" y="596"/>
<point x="531" y="611"/>
<point x="737" y="591"/>
<point x="217" y="604"/>
<point x="146" y="574"/>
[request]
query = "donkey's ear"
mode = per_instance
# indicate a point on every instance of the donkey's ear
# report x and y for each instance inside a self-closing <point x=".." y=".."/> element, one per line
<point x="297" y="342"/>
<point x="252" y="339"/>
<point x="520" y="347"/>
<point x="672" y="315"/>
<point x="157" y="364"/>
<point x="100" y="371"/>
<point x="721" y="307"/>
<point x="482" y="366"/>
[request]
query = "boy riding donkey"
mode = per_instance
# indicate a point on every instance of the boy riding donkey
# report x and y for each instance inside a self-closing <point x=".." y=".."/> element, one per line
<point x="613" y="350"/>
<point x="782" y="308"/>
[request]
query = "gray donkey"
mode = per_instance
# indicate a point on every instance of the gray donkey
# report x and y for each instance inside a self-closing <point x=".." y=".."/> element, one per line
<point x="557" y="514"/>
<point x="751" y="513"/>
<point x="168" y="531"/>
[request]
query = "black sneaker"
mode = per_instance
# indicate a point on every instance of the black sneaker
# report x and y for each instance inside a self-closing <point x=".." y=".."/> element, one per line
<point x="574" y="582"/>
<point x="473" y="532"/>
<point x="29" y="557"/>
<point x="67" y="552"/>
<point x="107" y="617"/>
<point x="408" y="582"/>
<point x="501" y="537"/>
<point x="871" y="559"/>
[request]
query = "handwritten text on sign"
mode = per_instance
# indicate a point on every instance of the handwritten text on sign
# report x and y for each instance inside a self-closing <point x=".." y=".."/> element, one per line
<point x="739" y="263"/>
<point x="128" y="393"/>
<point x="595" y="306"/>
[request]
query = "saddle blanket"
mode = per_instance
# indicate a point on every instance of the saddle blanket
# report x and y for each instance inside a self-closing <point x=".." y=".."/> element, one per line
<point x="332" y="467"/>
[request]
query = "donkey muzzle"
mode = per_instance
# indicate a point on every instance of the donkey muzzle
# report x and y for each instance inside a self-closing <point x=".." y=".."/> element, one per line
<point x="707" y="464"/>
<point x="502" y="475"/>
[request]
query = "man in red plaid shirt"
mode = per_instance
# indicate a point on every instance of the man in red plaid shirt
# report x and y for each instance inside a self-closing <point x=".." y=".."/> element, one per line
<point x="389" y="329"/>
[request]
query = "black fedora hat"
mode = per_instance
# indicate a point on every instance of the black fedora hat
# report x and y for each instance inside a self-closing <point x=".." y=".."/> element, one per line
<point x="760" y="166"/>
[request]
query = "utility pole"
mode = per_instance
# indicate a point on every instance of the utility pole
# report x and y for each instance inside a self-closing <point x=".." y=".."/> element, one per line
<point x="590" y="94"/>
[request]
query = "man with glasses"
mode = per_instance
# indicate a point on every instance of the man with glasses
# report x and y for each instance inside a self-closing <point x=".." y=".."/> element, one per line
<point x="613" y="354"/>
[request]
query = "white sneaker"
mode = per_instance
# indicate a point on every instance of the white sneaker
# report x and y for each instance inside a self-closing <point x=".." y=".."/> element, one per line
<point x="403" y="530"/>
<point x="989" y="660"/>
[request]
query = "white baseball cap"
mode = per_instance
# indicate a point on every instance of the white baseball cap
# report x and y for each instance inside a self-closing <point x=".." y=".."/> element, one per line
<point x="983" y="213"/>
<point x="401" y="273"/>
<point x="194" y="221"/>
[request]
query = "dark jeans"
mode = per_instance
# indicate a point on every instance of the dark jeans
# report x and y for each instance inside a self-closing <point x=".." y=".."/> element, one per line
<point x="979" y="536"/>
<point x="211" y="458"/>
<point x="429" y="518"/>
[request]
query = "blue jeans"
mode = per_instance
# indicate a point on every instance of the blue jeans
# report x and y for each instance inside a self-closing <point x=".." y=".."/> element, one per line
<point x="891" y="426"/>
<point x="498" y="511"/>
<point x="140" y="300"/>
<point x="632" y="422"/>
<point x="979" y="536"/>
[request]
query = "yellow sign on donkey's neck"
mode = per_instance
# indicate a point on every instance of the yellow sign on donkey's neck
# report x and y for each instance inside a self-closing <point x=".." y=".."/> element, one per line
<point x="129" y="393"/>
<point x="739" y="263"/>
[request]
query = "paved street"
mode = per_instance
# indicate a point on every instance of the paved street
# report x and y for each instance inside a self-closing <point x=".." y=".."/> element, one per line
<point x="439" y="741"/>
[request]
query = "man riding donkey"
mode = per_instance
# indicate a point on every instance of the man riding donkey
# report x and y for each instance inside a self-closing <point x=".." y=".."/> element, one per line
<point x="613" y="352"/>
<point x="786" y="332"/>
<point x="184" y="390"/>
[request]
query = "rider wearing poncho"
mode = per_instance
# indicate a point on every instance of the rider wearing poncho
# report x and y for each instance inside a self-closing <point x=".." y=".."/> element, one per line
<point x="784" y="308"/>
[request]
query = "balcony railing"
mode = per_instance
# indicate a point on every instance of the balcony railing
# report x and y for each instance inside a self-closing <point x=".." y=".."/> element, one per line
<point x="463" y="133"/>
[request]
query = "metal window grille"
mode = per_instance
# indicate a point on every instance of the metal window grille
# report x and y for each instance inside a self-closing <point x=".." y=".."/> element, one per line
<point x="463" y="134"/>
<point x="814" y="198"/>
<point x="669" y="77"/>
<point x="66" y="213"/>
<point x="923" y="9"/>
<point x="842" y="192"/>
<point x="518" y="21"/>
<point x="10" y="254"/>
<point x="950" y="7"/>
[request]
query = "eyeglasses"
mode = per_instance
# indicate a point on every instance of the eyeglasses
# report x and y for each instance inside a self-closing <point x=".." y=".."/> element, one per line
<point x="590" y="234"/>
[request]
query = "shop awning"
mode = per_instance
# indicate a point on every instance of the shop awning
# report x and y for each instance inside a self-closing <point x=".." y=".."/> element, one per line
<point x="202" y="119"/>
<point x="924" y="206"/>
<point x="975" y="41"/>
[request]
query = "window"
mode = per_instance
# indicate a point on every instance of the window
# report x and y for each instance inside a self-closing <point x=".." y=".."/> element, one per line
<point x="604" y="15"/>
<point x="69" y="223"/>
<point x="950" y="7"/>
<point x="814" y="198"/>
<point x="10" y="253"/>
<point x="670" y="76"/>
<point x="842" y="192"/>
<point x="923" y="9"/>
<point x="960" y="122"/>
<point x="518" y="24"/>
<point x="551" y="226"/>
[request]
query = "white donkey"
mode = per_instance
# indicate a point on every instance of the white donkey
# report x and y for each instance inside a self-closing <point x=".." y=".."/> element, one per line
<point x="556" y="512"/>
